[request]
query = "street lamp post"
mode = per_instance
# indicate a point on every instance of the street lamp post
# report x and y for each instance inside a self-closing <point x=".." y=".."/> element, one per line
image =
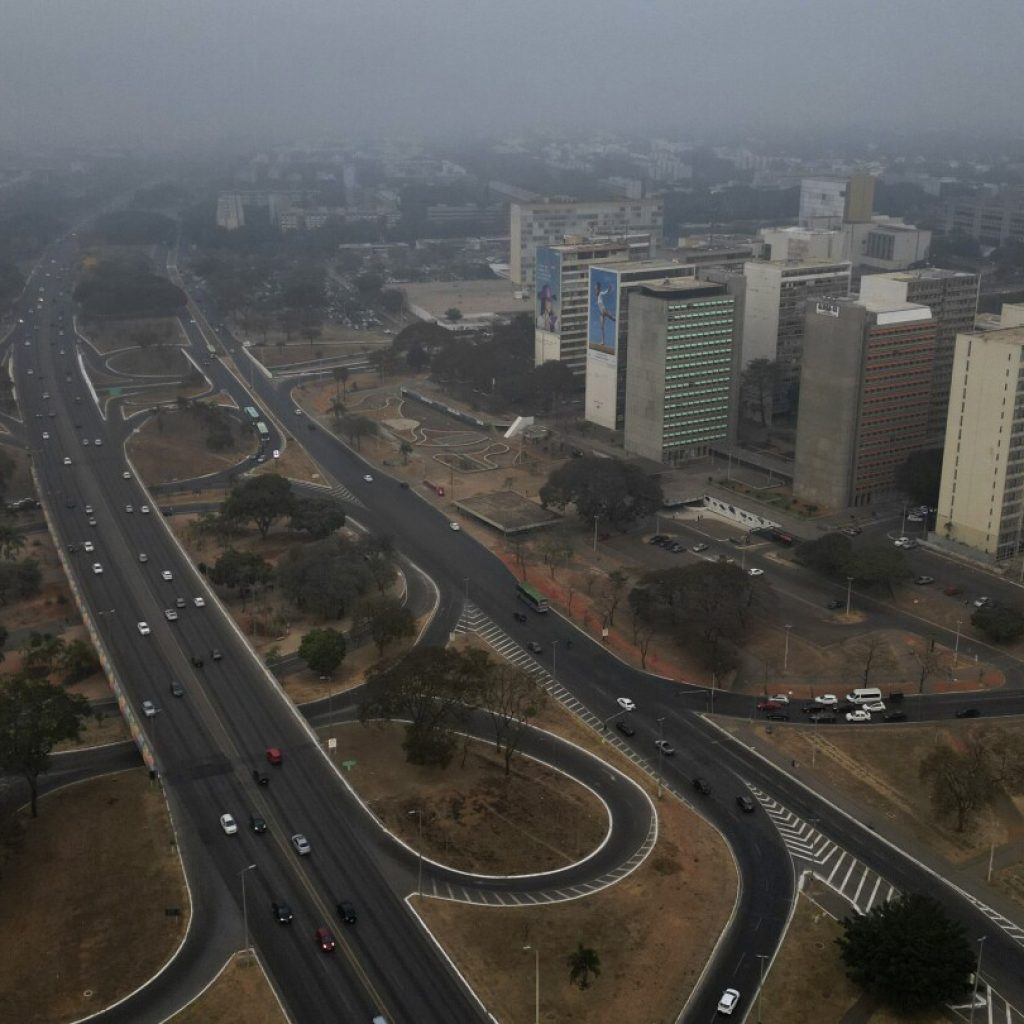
<point x="977" y="975"/>
<point x="536" y="983"/>
<point x="419" y="867"/>
<point x="849" y="589"/>
<point x="245" y="905"/>
<point x="903" y="521"/>
<point x="956" y="646"/>
<point x="760" y="988"/>
<point x="554" y="660"/>
<point x="785" y="657"/>
<point x="661" y="753"/>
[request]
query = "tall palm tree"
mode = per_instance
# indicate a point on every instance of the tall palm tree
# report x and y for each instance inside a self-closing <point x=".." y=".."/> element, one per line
<point x="583" y="962"/>
<point x="406" y="449"/>
<point x="337" y="408"/>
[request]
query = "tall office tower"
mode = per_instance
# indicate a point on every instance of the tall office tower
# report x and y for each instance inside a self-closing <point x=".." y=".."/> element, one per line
<point x="865" y="397"/>
<point x="608" y="335"/>
<point x="952" y="296"/>
<point x="562" y="300"/>
<point x="830" y="202"/>
<point x="682" y="371"/>
<point x="774" y="316"/>
<point x="545" y="224"/>
<point x="981" y="497"/>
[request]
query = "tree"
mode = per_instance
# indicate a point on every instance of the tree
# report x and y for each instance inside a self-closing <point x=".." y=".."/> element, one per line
<point x="323" y="577"/>
<point x="337" y="410"/>
<point x="609" y="489"/>
<point x="3" y="641"/>
<point x="406" y="449"/>
<point x="919" y="476"/>
<point x="878" y="565"/>
<point x="340" y="375"/>
<point x="358" y="427"/>
<point x="1000" y="623"/>
<point x="453" y="313"/>
<point x="759" y="380"/>
<point x="241" y="570"/>
<point x="263" y="499"/>
<point x="612" y="593"/>
<point x="958" y="788"/>
<point x="551" y="381"/>
<point x="12" y="540"/>
<point x="34" y="716"/>
<point x="319" y="517"/>
<point x="41" y="653"/>
<point x="78" y="661"/>
<point x="392" y="300"/>
<point x="385" y="618"/>
<point x="510" y="697"/>
<point x="829" y="555"/>
<point x="583" y="962"/>
<point x="323" y="650"/>
<point x="868" y="653"/>
<point x="908" y="953"/>
<point x="19" y="579"/>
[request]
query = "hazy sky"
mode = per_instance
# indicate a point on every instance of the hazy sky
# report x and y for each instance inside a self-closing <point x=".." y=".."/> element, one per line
<point x="178" y="70"/>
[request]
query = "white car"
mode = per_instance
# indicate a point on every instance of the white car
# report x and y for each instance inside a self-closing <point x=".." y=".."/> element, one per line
<point x="874" y="706"/>
<point x="67" y="460"/>
<point x="828" y="700"/>
<point x="46" y="435"/>
<point x="88" y="510"/>
<point x="727" y="1004"/>
<point x="368" y="477"/>
<point x="454" y="526"/>
<point x="228" y="823"/>
<point x="149" y="709"/>
<point x="199" y="602"/>
<point x="166" y="575"/>
<point x="126" y="475"/>
<point x="143" y="557"/>
<point x="301" y="844"/>
<point x="144" y="509"/>
<point x="97" y="568"/>
<point x="276" y="453"/>
<point x="859" y="715"/>
<point x="88" y="546"/>
<point x="129" y="509"/>
<point x="981" y="602"/>
<point x="779" y="698"/>
<point x="144" y="628"/>
<point x="625" y="703"/>
<point x="755" y="572"/>
<point x="170" y="615"/>
<point x="98" y="442"/>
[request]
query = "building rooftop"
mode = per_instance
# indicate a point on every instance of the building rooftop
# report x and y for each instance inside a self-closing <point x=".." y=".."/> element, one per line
<point x="809" y="264"/>
<point x="889" y="306"/>
<point x="493" y="297"/>
<point x="925" y="274"/>
<point x="671" y="287"/>
<point x="1010" y="336"/>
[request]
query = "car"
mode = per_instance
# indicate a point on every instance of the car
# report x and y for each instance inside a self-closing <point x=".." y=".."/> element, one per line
<point x="915" y="517"/>
<point x="143" y="557"/>
<point x="576" y="453"/>
<point x="368" y="477"/>
<point x="46" y="435"/>
<point x="874" y="706"/>
<point x="779" y="698"/>
<point x="228" y="823"/>
<point x="85" y="442"/>
<point x="126" y="475"/>
<point x="768" y="705"/>
<point x="197" y="662"/>
<point x="534" y="646"/>
<point x="828" y="700"/>
<point x="698" y="548"/>
<point x="216" y="654"/>
<point x="88" y="510"/>
<point x="968" y="713"/>
<point x="167" y="575"/>
<point x="301" y="844"/>
<point x="260" y="778"/>
<point x="282" y="913"/>
<point x="665" y="747"/>
<point x="129" y="509"/>
<point x="199" y="602"/>
<point x="727" y="1004"/>
<point x="923" y="581"/>
<point x="657" y="538"/>
<point x="144" y="509"/>
<point x="454" y="526"/>
<point x="625" y="703"/>
<point x="851" y="531"/>
<point x="811" y="708"/>
<point x="625" y="728"/>
<point x="274" y="756"/>
<point x="257" y="824"/>
<point x="347" y="912"/>
<point x="702" y="785"/>
<point x="325" y="940"/>
<point x="170" y="615"/>
<point x="894" y="716"/>
<point x="755" y="572"/>
<point x="98" y="442"/>
<point x="952" y="590"/>
<point x="858" y="715"/>
<point x="778" y="716"/>
<point x="97" y="568"/>
<point x="675" y="547"/>
<point x="67" y="460"/>
<point x="88" y="546"/>
<point x="177" y="690"/>
<point x="745" y="804"/>
<point x="149" y="709"/>
<point x="519" y="616"/>
<point x="144" y="628"/>
<point x="982" y="602"/>
<point x="92" y="522"/>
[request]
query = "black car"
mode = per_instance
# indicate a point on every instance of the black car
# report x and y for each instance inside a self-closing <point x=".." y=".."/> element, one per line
<point x="282" y="912"/>
<point x="346" y="912"/>
<point x="675" y="547"/>
<point x="625" y="728"/>
<point x="810" y="708"/>
<point x="519" y="616"/>
<point x="216" y="655"/>
<point x="257" y="824"/>
<point x="197" y="662"/>
<point x="745" y="804"/>
<point x="260" y="778"/>
<point x="535" y="647"/>
<point x="968" y="713"/>
<point x="657" y="538"/>
<point x="778" y="716"/>
<point x="835" y="604"/>
<point x="702" y="786"/>
<point x="894" y="716"/>
<point x="177" y="690"/>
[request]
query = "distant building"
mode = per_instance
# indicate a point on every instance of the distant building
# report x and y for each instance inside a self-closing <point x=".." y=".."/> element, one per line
<point x="230" y="211"/>
<point x="952" y="296"/>
<point x="775" y="314"/>
<point x="802" y="244"/>
<point x="885" y="243"/>
<point x="830" y="202"/>
<point x="865" y="397"/>
<point x="981" y="497"/>
<point x="551" y="223"/>
<point x="994" y="218"/>
<point x="682" y="371"/>
<point x="717" y="253"/>
<point x="562" y="295"/>
<point x="607" y="331"/>
<point x="463" y="213"/>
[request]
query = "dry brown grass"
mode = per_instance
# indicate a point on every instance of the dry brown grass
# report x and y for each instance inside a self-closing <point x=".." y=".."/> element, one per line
<point x="111" y="335"/>
<point x="241" y="995"/>
<point x="84" y="897"/>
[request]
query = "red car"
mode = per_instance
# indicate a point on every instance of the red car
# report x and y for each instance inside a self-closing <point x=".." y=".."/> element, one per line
<point x="768" y="705"/>
<point x="325" y="940"/>
<point x="273" y="755"/>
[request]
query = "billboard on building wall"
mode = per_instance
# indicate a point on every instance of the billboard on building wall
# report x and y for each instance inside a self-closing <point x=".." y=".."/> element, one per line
<point x="548" y="277"/>
<point x="602" y="320"/>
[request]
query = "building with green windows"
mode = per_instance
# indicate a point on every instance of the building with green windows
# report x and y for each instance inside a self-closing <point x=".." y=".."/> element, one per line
<point x="682" y="378"/>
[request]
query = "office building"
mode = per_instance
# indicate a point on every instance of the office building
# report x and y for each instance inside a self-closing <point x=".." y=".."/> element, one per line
<point x="981" y="497"/>
<point x="830" y="202"/>
<point x="608" y="333"/>
<point x="552" y="223"/>
<point x="885" y="244"/>
<point x="993" y="218"/>
<point x="682" y="370"/>
<point x="774" y="315"/>
<point x="562" y="295"/>
<point x="952" y="296"/>
<point x="865" y="396"/>
<point x="801" y="244"/>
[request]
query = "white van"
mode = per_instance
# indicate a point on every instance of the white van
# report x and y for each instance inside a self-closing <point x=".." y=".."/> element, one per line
<point x="864" y="695"/>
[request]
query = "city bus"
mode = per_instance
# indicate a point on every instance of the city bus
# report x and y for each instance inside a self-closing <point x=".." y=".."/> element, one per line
<point x="532" y="597"/>
<point x="264" y="434"/>
<point x="252" y="414"/>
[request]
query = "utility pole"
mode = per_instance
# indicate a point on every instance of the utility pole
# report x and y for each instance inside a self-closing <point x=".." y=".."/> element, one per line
<point x="760" y="988"/>
<point x="785" y="657"/>
<point x="245" y="906"/>
<point x="977" y="975"/>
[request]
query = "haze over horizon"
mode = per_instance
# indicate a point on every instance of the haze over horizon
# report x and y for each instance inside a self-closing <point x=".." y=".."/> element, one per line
<point x="192" y="71"/>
